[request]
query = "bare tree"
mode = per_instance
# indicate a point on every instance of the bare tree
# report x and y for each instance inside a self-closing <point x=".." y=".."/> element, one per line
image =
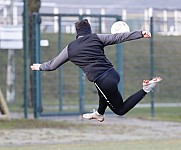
<point x="33" y="6"/>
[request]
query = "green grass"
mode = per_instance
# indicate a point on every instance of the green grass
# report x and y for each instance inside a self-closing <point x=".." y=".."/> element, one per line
<point x="33" y="124"/>
<point x="161" y="113"/>
<point x="164" y="114"/>
<point x="174" y="144"/>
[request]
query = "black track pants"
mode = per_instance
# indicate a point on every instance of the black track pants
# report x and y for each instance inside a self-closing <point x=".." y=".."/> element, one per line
<point x="109" y="95"/>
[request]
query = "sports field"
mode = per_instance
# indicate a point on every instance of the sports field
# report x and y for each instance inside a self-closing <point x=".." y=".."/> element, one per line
<point x="74" y="133"/>
<point x="129" y="145"/>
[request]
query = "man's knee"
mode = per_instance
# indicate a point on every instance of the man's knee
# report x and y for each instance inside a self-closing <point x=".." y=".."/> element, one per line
<point x="120" y="112"/>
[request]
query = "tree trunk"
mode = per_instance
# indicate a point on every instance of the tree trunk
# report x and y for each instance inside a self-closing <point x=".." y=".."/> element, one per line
<point x="10" y="91"/>
<point x="33" y="6"/>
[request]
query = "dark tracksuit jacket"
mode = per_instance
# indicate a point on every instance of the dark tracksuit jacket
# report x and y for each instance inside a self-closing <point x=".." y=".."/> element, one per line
<point x="87" y="52"/>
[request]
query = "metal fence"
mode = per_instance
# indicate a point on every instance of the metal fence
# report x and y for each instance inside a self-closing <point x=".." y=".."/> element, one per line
<point x="140" y="61"/>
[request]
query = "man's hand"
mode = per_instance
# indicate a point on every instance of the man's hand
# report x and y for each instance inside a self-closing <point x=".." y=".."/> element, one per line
<point x="146" y="34"/>
<point x="35" y="67"/>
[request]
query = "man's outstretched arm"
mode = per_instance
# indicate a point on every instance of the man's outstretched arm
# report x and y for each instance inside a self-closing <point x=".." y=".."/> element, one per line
<point x="52" y="64"/>
<point x="109" y="39"/>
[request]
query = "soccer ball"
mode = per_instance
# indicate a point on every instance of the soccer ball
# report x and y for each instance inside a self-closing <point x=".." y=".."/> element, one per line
<point x="120" y="27"/>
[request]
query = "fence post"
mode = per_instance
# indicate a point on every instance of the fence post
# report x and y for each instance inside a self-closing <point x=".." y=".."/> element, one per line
<point x="81" y="86"/>
<point x="100" y="24"/>
<point x="152" y="64"/>
<point x="37" y="74"/>
<point x="25" y="47"/>
<point x="60" y="68"/>
<point x="120" y="61"/>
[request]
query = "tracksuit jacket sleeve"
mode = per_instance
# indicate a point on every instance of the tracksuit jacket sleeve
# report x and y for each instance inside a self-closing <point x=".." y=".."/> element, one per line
<point x="109" y="39"/>
<point x="53" y="64"/>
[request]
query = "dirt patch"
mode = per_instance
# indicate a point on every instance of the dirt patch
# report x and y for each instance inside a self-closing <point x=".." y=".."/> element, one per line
<point x="112" y="129"/>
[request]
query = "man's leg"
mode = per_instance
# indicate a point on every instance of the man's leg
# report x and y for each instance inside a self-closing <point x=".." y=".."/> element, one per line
<point x="109" y="89"/>
<point x="128" y="104"/>
<point x="98" y="115"/>
<point x="102" y="104"/>
<point x="119" y="107"/>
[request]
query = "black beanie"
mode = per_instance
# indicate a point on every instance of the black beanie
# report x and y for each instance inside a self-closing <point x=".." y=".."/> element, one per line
<point x="83" y="28"/>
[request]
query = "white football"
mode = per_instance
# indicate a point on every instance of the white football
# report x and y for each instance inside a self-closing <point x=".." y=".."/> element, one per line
<point x="120" y="27"/>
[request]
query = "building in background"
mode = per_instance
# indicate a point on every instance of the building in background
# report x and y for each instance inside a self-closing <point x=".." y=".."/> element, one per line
<point x="166" y="12"/>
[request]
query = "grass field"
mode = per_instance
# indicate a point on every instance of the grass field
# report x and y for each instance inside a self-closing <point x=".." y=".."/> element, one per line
<point x="161" y="113"/>
<point x="124" y="145"/>
<point x="135" y="131"/>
